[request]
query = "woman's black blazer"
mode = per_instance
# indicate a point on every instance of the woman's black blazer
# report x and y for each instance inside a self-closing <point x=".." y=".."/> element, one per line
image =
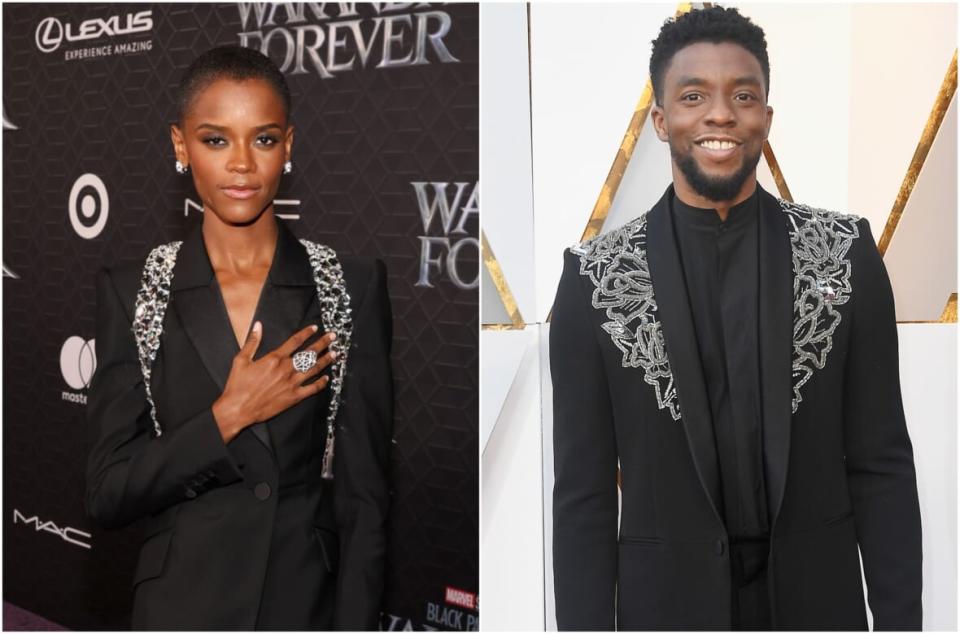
<point x="243" y="535"/>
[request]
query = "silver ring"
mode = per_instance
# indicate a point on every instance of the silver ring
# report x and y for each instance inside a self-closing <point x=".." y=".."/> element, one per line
<point x="304" y="360"/>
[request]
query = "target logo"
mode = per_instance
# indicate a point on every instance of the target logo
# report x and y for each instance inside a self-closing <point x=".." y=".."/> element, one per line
<point x="78" y="360"/>
<point x="88" y="206"/>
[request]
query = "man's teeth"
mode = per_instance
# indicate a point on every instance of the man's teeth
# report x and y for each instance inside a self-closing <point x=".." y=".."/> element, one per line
<point x="717" y="145"/>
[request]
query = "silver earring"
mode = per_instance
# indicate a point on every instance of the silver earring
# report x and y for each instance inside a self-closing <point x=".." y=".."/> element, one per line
<point x="287" y="167"/>
<point x="181" y="168"/>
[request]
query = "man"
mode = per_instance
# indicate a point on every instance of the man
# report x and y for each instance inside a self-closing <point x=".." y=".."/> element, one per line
<point x="736" y="356"/>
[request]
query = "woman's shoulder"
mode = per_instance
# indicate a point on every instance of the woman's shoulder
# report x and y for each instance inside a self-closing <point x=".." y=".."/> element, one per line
<point x="360" y="274"/>
<point x="360" y="266"/>
<point x="125" y="276"/>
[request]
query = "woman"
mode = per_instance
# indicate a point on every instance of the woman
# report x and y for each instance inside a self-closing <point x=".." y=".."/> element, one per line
<point x="226" y="463"/>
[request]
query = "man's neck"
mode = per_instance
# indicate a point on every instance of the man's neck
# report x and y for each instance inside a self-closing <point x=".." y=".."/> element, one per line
<point x="688" y="196"/>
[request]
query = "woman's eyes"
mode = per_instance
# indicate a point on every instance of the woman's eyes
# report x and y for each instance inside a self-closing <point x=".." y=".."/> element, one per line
<point x="265" y="140"/>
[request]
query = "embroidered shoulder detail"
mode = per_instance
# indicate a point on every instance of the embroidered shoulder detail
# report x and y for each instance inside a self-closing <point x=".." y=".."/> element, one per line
<point x="335" y="310"/>
<point x="616" y="264"/>
<point x="820" y="241"/>
<point x="148" y="312"/>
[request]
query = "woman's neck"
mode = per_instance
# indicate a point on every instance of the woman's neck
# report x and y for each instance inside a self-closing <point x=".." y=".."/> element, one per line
<point x="239" y="248"/>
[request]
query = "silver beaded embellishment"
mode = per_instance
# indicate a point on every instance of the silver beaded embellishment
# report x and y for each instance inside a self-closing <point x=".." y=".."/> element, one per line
<point x="821" y="283"/>
<point x="616" y="264"/>
<point x="335" y="311"/>
<point x="149" y="309"/>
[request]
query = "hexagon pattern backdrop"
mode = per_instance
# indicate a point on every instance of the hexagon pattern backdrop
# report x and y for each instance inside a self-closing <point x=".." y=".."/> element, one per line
<point x="385" y="164"/>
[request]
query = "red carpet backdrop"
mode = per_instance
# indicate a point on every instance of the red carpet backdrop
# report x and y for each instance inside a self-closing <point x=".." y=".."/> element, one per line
<point x="385" y="164"/>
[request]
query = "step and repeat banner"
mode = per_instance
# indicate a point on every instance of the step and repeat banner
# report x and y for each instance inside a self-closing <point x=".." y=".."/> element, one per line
<point x="385" y="164"/>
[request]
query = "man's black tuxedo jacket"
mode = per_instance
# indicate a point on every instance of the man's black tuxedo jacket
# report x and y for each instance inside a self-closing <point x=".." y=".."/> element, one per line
<point x="838" y="463"/>
<point x="244" y="535"/>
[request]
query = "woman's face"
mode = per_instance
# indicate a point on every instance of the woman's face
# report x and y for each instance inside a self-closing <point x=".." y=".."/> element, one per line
<point x="235" y="140"/>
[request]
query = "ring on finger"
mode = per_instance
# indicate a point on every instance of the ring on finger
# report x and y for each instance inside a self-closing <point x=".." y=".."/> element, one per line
<point x="304" y="360"/>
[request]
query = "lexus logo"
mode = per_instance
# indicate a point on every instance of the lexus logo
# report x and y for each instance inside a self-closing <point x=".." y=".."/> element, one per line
<point x="49" y="34"/>
<point x="78" y="360"/>
<point x="88" y="206"/>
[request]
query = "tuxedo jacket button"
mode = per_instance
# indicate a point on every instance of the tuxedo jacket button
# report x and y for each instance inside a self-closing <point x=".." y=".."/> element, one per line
<point x="720" y="548"/>
<point x="262" y="491"/>
<point x="190" y="493"/>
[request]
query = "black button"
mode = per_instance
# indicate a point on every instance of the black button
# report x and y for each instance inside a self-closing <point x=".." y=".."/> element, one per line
<point x="719" y="548"/>
<point x="190" y="493"/>
<point x="262" y="491"/>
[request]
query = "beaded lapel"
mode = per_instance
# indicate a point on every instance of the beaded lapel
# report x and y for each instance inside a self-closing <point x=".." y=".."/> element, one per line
<point x="616" y="264"/>
<point x="154" y="296"/>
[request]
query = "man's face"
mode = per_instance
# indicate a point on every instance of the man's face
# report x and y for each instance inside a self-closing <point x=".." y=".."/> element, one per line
<point x="715" y="117"/>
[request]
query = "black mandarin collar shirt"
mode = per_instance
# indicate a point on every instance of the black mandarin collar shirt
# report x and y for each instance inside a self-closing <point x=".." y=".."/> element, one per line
<point x="721" y="267"/>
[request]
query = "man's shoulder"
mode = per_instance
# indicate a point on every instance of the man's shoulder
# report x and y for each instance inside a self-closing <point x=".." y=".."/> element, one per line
<point x="803" y="213"/>
<point x="620" y="239"/>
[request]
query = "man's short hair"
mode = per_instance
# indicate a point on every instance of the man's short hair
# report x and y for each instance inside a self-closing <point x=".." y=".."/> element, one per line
<point x="716" y="25"/>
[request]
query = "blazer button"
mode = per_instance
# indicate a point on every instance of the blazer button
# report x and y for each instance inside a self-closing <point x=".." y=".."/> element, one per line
<point x="719" y="548"/>
<point x="262" y="491"/>
<point x="190" y="493"/>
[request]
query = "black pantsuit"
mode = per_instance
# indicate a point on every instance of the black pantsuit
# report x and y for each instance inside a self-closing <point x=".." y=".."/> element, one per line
<point x="837" y="461"/>
<point x="244" y="535"/>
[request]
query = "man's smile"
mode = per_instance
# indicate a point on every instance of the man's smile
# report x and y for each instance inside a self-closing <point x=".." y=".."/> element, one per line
<point x="717" y="148"/>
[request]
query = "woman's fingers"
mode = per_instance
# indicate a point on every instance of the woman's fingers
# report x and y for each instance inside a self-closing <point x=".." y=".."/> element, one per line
<point x="304" y="391"/>
<point x="296" y="340"/>
<point x="253" y="341"/>
<point x="322" y="343"/>
<point x="323" y="361"/>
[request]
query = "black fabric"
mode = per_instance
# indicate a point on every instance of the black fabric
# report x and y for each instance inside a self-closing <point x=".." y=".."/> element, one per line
<point x="221" y="552"/>
<point x="720" y="266"/>
<point x="750" y="603"/>
<point x="839" y="472"/>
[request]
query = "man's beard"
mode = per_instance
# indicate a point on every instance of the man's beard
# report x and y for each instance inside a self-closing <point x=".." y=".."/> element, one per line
<point x="718" y="189"/>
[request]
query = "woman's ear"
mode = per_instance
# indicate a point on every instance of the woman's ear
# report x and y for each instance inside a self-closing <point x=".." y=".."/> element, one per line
<point x="179" y="145"/>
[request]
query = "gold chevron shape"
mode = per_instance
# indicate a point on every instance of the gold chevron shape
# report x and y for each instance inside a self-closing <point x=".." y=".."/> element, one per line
<point x="503" y="289"/>
<point x="947" y="89"/>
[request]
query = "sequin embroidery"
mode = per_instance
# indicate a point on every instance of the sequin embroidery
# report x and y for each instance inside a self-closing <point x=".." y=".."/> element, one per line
<point x="616" y="264"/>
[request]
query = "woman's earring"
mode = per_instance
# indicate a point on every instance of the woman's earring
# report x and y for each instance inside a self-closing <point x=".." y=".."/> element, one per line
<point x="181" y="168"/>
<point x="287" y="167"/>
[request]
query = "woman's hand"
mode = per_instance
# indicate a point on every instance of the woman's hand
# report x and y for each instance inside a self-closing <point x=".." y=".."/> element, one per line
<point x="258" y="390"/>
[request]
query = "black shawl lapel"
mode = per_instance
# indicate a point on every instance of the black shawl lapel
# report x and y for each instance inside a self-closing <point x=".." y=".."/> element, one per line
<point x="199" y="305"/>
<point x="776" y="345"/>
<point x="673" y="305"/>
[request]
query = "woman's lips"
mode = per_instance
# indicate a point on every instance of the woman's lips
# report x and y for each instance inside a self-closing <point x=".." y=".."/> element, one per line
<point x="240" y="193"/>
